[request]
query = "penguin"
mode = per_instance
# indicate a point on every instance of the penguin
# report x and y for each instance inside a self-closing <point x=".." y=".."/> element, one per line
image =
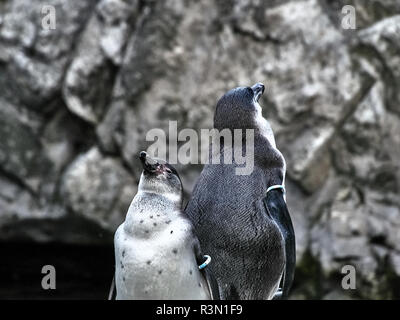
<point x="243" y="220"/>
<point x="157" y="255"/>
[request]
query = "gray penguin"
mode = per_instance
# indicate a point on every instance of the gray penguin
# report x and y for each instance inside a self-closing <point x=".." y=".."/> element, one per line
<point x="157" y="255"/>
<point x="243" y="220"/>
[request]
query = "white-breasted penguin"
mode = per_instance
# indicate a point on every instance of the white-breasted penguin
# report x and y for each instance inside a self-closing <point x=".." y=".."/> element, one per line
<point x="243" y="220"/>
<point x="157" y="254"/>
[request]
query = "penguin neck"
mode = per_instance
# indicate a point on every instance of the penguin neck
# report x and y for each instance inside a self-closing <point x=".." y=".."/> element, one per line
<point x="151" y="205"/>
<point x="157" y="201"/>
<point x="166" y="201"/>
<point x="263" y="128"/>
<point x="257" y="123"/>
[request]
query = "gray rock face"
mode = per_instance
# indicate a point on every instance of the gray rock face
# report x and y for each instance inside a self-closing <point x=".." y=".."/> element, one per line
<point x="20" y="148"/>
<point x="77" y="102"/>
<point x="34" y="59"/>
<point x="99" y="52"/>
<point x="99" y="188"/>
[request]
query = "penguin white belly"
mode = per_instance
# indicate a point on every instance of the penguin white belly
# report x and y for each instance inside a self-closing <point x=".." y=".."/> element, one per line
<point x="162" y="266"/>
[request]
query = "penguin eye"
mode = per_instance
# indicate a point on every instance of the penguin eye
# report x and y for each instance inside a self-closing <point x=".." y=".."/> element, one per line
<point x="168" y="170"/>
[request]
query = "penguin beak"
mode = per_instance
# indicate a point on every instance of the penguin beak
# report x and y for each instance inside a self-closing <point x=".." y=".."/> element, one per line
<point x="149" y="164"/>
<point x="258" y="90"/>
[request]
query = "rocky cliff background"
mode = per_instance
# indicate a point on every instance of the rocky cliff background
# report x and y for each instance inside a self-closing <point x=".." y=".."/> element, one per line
<point x="76" y="103"/>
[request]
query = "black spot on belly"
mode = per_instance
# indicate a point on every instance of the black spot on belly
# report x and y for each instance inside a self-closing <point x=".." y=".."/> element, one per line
<point x="172" y="231"/>
<point x="199" y="284"/>
<point x="190" y="272"/>
<point x="123" y="253"/>
<point x="168" y="222"/>
<point x="151" y="217"/>
<point x="141" y="210"/>
<point x="175" y="251"/>
<point x="141" y="221"/>
<point x="148" y="261"/>
<point x="154" y="224"/>
<point x="159" y="271"/>
<point x="147" y="231"/>
<point x="123" y="279"/>
<point x="158" y="215"/>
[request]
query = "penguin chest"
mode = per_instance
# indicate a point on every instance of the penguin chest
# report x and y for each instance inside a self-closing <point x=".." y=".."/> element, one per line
<point x="160" y="267"/>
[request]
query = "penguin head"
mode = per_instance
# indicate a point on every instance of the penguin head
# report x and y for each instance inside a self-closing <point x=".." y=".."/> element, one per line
<point x="239" y="108"/>
<point x="160" y="177"/>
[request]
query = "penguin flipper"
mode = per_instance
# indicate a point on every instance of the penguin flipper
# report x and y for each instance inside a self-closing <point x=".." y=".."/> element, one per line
<point x="278" y="211"/>
<point x="277" y="295"/>
<point x="113" y="291"/>
<point x="212" y="283"/>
